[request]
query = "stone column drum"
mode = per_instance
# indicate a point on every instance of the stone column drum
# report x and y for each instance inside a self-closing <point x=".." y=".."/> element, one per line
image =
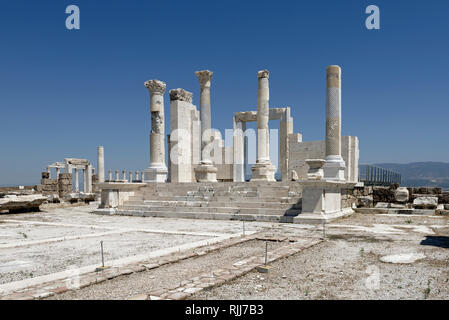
<point x="157" y="171"/>
<point x="335" y="165"/>
<point x="100" y="164"/>
<point x="263" y="170"/>
<point x="206" y="171"/>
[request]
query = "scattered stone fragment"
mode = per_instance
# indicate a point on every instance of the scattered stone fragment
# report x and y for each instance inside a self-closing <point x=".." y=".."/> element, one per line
<point x="403" y="258"/>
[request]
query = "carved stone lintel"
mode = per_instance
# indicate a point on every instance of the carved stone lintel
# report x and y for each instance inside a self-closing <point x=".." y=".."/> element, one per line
<point x="155" y="86"/>
<point x="204" y="76"/>
<point x="181" y="95"/>
<point x="263" y="74"/>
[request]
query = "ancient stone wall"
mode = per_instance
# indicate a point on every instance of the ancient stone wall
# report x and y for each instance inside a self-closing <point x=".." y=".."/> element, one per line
<point x="64" y="184"/>
<point x="48" y="186"/>
<point x="299" y="151"/>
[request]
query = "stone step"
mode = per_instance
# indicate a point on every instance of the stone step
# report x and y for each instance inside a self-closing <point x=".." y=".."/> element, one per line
<point x="232" y="202"/>
<point x="219" y="190"/>
<point x="218" y="199"/>
<point x="257" y="211"/>
<point x="222" y="194"/>
<point x="208" y="216"/>
<point x="167" y="203"/>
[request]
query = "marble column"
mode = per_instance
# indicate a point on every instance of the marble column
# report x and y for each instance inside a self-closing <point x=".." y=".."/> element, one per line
<point x="117" y="178"/>
<point x="77" y="186"/>
<point x="110" y="175"/>
<point x="205" y="171"/>
<point x="88" y="182"/>
<point x="157" y="171"/>
<point x="58" y="171"/>
<point x="334" y="168"/>
<point x="85" y="180"/>
<point x="239" y="150"/>
<point x="100" y="164"/>
<point x="263" y="170"/>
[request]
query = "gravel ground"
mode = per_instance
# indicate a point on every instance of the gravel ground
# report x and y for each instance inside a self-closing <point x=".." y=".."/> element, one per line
<point x="81" y="215"/>
<point x="17" y="232"/>
<point x="31" y="261"/>
<point x="368" y="219"/>
<point x="128" y="286"/>
<point x="347" y="266"/>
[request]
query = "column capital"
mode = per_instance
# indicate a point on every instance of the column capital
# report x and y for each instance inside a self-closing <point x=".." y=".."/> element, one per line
<point x="181" y="95"/>
<point x="263" y="74"/>
<point x="155" y="86"/>
<point x="204" y="76"/>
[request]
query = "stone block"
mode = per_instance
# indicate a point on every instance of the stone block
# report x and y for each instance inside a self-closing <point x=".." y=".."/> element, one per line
<point x="383" y="194"/>
<point x="401" y="195"/>
<point x="443" y="197"/>
<point x="364" y="201"/>
<point x="22" y="203"/>
<point x="425" y="202"/>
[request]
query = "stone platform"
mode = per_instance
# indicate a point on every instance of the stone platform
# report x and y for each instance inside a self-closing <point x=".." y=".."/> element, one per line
<point x="247" y="201"/>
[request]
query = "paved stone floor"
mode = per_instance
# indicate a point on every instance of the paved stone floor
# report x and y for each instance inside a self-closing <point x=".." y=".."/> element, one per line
<point x="205" y="259"/>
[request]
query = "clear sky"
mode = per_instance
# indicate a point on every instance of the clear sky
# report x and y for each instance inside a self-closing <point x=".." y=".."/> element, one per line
<point x="64" y="92"/>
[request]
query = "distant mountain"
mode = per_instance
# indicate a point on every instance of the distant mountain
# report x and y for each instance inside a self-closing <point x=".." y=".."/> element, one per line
<point x="421" y="174"/>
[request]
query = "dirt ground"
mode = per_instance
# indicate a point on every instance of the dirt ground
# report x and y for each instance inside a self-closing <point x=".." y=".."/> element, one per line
<point x="347" y="265"/>
<point x="363" y="256"/>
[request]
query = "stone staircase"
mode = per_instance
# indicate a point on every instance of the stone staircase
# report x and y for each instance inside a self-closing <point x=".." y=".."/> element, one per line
<point x="250" y="201"/>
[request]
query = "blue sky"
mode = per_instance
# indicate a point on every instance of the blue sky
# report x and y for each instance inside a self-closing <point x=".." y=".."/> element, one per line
<point x="64" y="92"/>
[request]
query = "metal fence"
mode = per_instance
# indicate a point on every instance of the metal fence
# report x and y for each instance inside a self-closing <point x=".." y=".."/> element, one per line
<point x="376" y="176"/>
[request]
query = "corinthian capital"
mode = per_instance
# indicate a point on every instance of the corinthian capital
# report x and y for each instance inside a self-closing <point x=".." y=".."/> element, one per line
<point x="204" y="76"/>
<point x="181" y="95"/>
<point x="263" y="74"/>
<point x="155" y="86"/>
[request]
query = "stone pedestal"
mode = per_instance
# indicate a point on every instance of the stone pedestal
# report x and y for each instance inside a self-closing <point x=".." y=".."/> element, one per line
<point x="206" y="173"/>
<point x="334" y="169"/>
<point x="156" y="173"/>
<point x="263" y="170"/>
<point x="321" y="201"/>
<point x="114" y="195"/>
<point x="315" y="169"/>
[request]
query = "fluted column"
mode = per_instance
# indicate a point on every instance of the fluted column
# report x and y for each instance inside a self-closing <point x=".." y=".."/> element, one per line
<point x="157" y="171"/>
<point x="263" y="169"/>
<point x="334" y="166"/>
<point x="100" y="164"/>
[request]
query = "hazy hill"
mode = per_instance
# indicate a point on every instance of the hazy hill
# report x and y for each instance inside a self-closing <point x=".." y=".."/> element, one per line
<point x="425" y="174"/>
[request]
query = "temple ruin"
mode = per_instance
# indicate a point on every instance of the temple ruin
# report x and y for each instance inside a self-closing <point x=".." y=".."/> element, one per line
<point x="203" y="177"/>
